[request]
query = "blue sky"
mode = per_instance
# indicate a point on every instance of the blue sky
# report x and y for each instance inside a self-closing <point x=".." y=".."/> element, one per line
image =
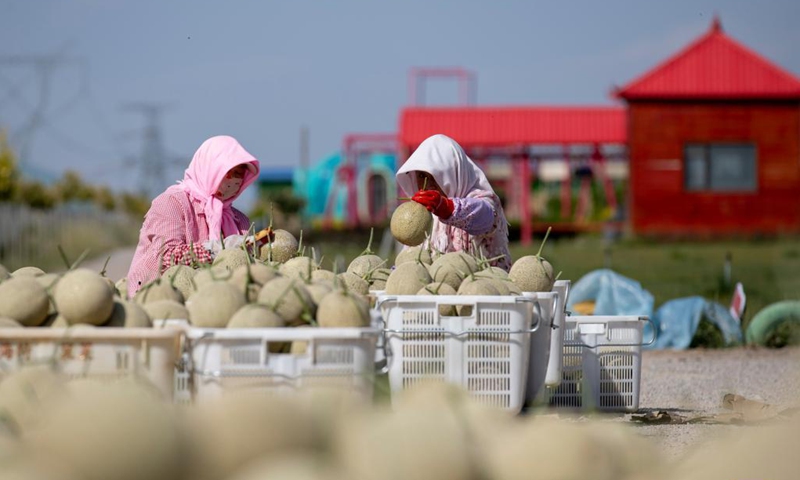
<point x="259" y="70"/>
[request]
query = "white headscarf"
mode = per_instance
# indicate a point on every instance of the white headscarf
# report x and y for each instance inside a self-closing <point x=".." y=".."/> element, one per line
<point x="458" y="177"/>
<point x="446" y="161"/>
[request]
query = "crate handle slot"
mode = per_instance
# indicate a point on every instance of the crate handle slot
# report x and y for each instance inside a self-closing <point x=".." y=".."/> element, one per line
<point x="641" y="344"/>
<point x="222" y="374"/>
<point x="461" y="334"/>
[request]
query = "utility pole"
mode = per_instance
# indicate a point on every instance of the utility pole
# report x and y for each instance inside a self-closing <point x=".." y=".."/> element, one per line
<point x="304" y="148"/>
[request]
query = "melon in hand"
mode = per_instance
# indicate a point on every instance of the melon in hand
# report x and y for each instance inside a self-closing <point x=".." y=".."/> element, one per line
<point x="411" y="223"/>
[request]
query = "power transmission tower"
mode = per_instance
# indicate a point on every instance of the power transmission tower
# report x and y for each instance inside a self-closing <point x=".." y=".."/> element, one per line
<point x="154" y="160"/>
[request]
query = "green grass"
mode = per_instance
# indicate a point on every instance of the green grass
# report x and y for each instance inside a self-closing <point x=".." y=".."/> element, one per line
<point x="768" y="269"/>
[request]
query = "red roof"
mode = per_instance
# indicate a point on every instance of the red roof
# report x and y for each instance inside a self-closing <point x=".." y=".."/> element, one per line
<point x="714" y="66"/>
<point x="502" y="126"/>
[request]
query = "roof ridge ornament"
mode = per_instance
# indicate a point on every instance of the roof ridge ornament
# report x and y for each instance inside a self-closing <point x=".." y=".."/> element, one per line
<point x="716" y="24"/>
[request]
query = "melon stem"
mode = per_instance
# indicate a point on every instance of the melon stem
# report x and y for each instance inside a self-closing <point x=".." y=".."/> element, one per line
<point x="539" y="253"/>
<point x="368" y="251"/>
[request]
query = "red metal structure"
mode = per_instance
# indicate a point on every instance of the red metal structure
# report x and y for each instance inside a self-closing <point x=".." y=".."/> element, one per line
<point x="418" y="76"/>
<point x="510" y="132"/>
<point x="354" y="147"/>
<point x="714" y="143"/>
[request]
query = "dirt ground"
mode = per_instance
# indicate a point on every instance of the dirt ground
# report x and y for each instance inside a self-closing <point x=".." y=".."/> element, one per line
<point x="692" y="383"/>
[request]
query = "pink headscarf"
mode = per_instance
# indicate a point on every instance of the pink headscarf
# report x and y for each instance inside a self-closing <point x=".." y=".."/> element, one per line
<point x="215" y="157"/>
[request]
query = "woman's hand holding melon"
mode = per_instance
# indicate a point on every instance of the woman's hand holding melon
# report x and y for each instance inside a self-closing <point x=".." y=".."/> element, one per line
<point x="435" y="202"/>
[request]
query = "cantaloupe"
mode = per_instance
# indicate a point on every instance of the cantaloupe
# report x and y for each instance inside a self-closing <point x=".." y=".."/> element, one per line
<point x="412" y="254"/>
<point x="49" y="281"/>
<point x="4" y="274"/>
<point x="166" y="310"/>
<point x="214" y="304"/>
<point x="411" y="223"/>
<point x="26" y="395"/>
<point x="602" y="456"/>
<point x="210" y="274"/>
<point x="129" y="315"/>
<point x="377" y="279"/>
<point x="292" y="466"/>
<point x="476" y="287"/>
<point x="452" y="267"/>
<point x="241" y="427"/>
<point x="255" y="315"/>
<point x="500" y="285"/>
<point x="299" y="347"/>
<point x="114" y="431"/>
<point x="532" y="274"/>
<point x="281" y="247"/>
<point x="322" y="275"/>
<point x="122" y="288"/>
<point x="365" y="264"/>
<point x="23" y="299"/>
<point x="354" y="283"/>
<point x="231" y="258"/>
<point x="300" y="268"/>
<point x="158" y="289"/>
<point x="289" y="298"/>
<point x="407" y="278"/>
<point x="180" y="277"/>
<point x="83" y="296"/>
<point x="258" y="272"/>
<point x="440" y="288"/>
<point x="57" y="321"/>
<point x="6" y="322"/>
<point x="318" y="290"/>
<point x="29" y="271"/>
<point x="340" y="308"/>
<point x="367" y="261"/>
<point x="411" y="444"/>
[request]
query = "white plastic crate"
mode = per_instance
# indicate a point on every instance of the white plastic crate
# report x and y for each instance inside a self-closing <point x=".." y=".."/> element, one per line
<point x="222" y="360"/>
<point x="98" y="353"/>
<point x="601" y="363"/>
<point x="546" y="343"/>
<point x="486" y="351"/>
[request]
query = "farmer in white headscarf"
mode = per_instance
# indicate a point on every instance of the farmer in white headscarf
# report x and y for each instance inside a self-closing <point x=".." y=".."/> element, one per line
<point x="468" y="215"/>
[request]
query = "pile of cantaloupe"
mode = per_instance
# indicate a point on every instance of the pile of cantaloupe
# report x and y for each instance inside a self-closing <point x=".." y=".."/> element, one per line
<point x="421" y="270"/>
<point x="29" y="297"/>
<point x="278" y="288"/>
<point x="91" y="430"/>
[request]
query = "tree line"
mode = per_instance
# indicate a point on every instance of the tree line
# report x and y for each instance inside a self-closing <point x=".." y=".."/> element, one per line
<point x="15" y="188"/>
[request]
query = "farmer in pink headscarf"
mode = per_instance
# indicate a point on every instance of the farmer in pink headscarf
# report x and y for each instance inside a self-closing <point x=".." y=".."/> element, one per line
<point x="467" y="213"/>
<point x="195" y="211"/>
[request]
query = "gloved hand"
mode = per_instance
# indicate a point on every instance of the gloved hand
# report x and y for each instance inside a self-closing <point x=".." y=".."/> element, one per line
<point x="231" y="241"/>
<point x="435" y="202"/>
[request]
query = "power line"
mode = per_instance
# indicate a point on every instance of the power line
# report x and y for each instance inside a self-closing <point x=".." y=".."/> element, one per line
<point x="44" y="68"/>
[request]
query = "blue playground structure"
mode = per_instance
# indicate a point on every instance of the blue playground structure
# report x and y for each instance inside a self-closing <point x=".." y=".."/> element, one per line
<point x="341" y="194"/>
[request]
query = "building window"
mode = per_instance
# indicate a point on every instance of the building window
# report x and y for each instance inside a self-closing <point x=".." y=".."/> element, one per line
<point x="720" y="167"/>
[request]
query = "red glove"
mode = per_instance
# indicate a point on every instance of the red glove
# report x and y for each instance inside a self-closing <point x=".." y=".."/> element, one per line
<point x="435" y="202"/>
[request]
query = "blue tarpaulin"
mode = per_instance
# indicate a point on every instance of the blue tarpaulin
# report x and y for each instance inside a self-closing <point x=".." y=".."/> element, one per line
<point x="675" y="321"/>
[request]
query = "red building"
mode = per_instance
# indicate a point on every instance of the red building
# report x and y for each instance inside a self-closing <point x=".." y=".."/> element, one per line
<point x="712" y="135"/>
<point x="714" y="143"/>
